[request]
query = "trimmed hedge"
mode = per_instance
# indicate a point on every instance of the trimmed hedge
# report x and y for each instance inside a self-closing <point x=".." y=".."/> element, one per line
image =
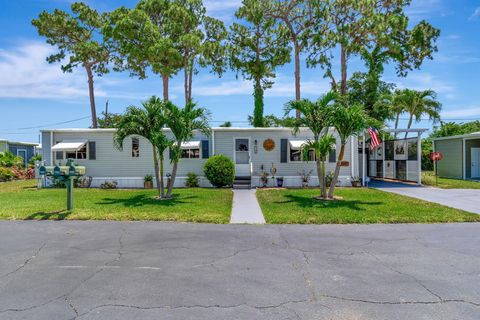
<point x="220" y="171"/>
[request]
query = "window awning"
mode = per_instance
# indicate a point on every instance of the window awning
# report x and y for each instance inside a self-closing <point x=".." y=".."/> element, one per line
<point x="297" y="144"/>
<point x="190" y="145"/>
<point x="69" y="145"/>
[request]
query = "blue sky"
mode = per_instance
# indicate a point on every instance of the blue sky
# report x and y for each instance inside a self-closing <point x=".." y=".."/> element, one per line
<point x="34" y="93"/>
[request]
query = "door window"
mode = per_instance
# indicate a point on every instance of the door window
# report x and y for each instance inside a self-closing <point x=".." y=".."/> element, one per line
<point x="242" y="153"/>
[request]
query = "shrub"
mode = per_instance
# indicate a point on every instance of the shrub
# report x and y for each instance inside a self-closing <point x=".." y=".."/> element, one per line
<point x="37" y="157"/>
<point x="148" y="178"/>
<point x="8" y="159"/>
<point x="192" y="180"/>
<point x="6" y="174"/>
<point x="220" y="171"/>
<point x="109" y="185"/>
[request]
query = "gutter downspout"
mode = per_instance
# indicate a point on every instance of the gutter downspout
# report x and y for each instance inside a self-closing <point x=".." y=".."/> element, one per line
<point x="352" y="164"/>
<point x="419" y="157"/>
<point x="464" y="162"/>
<point x="364" y="173"/>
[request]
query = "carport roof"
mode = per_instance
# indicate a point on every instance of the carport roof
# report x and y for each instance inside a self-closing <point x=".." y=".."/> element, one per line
<point x="472" y="135"/>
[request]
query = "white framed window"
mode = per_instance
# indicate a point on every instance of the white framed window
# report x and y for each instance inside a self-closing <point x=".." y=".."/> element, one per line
<point x="79" y="154"/>
<point x="190" y="154"/>
<point x="296" y="152"/>
<point x="190" y="150"/>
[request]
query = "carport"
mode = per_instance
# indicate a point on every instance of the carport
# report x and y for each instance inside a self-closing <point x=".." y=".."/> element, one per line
<point x="395" y="159"/>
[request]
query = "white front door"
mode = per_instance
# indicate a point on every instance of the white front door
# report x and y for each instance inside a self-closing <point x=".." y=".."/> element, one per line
<point x="242" y="157"/>
<point x="475" y="163"/>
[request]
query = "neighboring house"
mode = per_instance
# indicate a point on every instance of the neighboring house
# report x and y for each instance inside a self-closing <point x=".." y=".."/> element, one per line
<point x="461" y="156"/>
<point x="253" y="151"/>
<point x="26" y="150"/>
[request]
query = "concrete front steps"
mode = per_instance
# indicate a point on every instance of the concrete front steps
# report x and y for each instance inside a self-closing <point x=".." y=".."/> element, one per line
<point x="242" y="182"/>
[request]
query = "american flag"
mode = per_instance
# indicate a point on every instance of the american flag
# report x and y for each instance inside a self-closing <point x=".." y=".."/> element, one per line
<point x="375" y="140"/>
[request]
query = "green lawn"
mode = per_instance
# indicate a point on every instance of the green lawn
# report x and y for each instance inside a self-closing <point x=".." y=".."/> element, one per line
<point x="358" y="206"/>
<point x="428" y="178"/>
<point x="20" y="200"/>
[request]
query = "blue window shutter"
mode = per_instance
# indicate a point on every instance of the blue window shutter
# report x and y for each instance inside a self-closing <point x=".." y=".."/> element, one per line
<point x="205" y="149"/>
<point x="283" y="150"/>
<point x="332" y="156"/>
<point x="92" y="150"/>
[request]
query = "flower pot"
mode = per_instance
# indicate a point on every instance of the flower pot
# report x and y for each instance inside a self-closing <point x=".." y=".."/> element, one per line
<point x="279" y="182"/>
<point x="148" y="184"/>
<point x="356" y="184"/>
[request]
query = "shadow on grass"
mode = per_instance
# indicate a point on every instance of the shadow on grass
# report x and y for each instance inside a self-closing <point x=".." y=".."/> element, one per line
<point x="54" y="215"/>
<point x="142" y="200"/>
<point x="311" y="203"/>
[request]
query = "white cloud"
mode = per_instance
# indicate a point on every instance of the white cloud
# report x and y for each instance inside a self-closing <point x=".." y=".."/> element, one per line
<point x="283" y="87"/>
<point x="475" y="14"/>
<point x="461" y="112"/>
<point x="425" y="81"/>
<point x="26" y="74"/>
<point x="420" y="9"/>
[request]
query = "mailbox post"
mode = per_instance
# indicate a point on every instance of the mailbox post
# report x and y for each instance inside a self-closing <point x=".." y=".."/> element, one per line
<point x="67" y="176"/>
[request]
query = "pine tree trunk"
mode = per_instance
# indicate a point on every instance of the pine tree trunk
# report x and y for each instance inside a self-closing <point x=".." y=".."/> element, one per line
<point x="91" y="93"/>
<point x="337" y="172"/>
<point x="165" y="87"/>
<point x="297" y="78"/>
<point x="343" y="86"/>
<point x="258" y="101"/>
<point x="185" y="80"/>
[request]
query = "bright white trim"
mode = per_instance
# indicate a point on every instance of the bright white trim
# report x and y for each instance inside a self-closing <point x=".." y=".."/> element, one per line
<point x="69" y="145"/>
<point x="190" y="145"/>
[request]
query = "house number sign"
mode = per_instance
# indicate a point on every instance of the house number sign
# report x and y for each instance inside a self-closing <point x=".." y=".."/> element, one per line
<point x="269" y="144"/>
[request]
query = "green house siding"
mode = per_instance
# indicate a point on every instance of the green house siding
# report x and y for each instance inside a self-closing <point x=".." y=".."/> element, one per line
<point x="452" y="164"/>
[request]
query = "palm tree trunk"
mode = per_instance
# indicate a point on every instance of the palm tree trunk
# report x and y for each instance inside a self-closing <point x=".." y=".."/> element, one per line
<point x="162" y="172"/>
<point x="337" y="171"/>
<point x="410" y="120"/>
<point x="165" y="87"/>
<point x="396" y="123"/>
<point x="174" y="174"/>
<point x="319" y="175"/>
<point x="91" y="93"/>
<point x="324" y="182"/>
<point x="157" y="178"/>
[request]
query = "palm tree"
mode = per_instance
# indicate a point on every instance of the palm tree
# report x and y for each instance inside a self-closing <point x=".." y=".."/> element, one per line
<point x="149" y="123"/>
<point x="183" y="122"/>
<point x="316" y="117"/>
<point x="420" y="103"/>
<point x="348" y="121"/>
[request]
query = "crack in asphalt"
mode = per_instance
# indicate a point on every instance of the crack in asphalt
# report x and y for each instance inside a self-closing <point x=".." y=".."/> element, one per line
<point x="196" y="306"/>
<point x="37" y="252"/>
<point x="401" y="302"/>
<point x="213" y="262"/>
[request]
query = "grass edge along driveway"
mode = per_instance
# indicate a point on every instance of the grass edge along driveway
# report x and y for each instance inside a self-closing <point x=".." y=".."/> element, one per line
<point x="20" y="200"/>
<point x="428" y="179"/>
<point x="359" y="205"/>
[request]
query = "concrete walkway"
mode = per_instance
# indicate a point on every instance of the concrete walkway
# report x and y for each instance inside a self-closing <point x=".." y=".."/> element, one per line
<point x="246" y="208"/>
<point x="463" y="199"/>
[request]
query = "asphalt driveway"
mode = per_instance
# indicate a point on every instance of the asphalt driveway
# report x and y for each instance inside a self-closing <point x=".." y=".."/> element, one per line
<point x="150" y="270"/>
<point x="463" y="199"/>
